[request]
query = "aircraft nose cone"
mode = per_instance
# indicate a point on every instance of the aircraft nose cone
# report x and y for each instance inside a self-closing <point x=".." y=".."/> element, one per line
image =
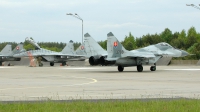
<point x="184" y="53"/>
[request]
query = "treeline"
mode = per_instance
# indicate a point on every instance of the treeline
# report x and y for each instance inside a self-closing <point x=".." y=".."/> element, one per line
<point x="189" y="41"/>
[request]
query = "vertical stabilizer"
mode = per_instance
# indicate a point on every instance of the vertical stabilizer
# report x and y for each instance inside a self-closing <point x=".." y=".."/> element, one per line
<point x="92" y="47"/>
<point x="114" y="47"/>
<point x="18" y="48"/>
<point x="6" y="50"/>
<point x="69" y="48"/>
<point x="81" y="50"/>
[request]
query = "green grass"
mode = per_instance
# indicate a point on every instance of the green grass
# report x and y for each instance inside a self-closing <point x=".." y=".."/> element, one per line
<point x="182" y="105"/>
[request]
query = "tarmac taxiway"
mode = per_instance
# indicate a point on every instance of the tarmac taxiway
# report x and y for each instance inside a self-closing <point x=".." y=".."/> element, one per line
<point x="19" y="83"/>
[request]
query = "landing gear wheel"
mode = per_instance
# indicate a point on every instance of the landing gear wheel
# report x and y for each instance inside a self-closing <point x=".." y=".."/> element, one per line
<point x="40" y="64"/>
<point x="120" y="68"/>
<point x="51" y="63"/>
<point x="153" y="68"/>
<point x="63" y="63"/>
<point x="139" y="68"/>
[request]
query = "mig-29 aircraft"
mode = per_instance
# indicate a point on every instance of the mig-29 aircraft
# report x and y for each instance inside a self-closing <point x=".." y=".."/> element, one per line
<point x="144" y="56"/>
<point x="50" y="56"/>
<point x="7" y="53"/>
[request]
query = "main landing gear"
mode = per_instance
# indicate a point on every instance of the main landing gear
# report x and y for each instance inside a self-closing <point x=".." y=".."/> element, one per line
<point x="51" y="63"/>
<point x="120" y="68"/>
<point x="153" y="68"/>
<point x="139" y="68"/>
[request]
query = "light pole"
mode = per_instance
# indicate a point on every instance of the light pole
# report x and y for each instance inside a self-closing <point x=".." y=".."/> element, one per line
<point x="78" y="17"/>
<point x="192" y="5"/>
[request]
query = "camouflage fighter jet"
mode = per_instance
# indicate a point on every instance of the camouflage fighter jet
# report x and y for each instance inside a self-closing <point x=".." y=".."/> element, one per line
<point x="144" y="56"/>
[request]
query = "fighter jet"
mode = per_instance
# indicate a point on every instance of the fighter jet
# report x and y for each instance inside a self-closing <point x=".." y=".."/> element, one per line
<point x="144" y="56"/>
<point x="7" y="53"/>
<point x="92" y="51"/>
<point x="51" y="56"/>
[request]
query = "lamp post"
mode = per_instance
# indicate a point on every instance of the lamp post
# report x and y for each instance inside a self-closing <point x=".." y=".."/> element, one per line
<point x="192" y="5"/>
<point x="78" y="17"/>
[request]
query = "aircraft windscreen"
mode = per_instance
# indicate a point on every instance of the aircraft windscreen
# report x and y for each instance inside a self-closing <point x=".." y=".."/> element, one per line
<point x="166" y="44"/>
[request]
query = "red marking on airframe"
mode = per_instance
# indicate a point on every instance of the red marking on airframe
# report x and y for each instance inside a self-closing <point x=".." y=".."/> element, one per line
<point x="82" y="47"/>
<point x="115" y="44"/>
<point x="17" y="47"/>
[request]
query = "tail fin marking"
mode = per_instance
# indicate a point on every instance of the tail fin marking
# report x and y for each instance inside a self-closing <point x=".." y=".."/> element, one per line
<point x="114" y="47"/>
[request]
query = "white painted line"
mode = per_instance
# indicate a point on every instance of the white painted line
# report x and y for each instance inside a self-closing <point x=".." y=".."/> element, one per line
<point x="6" y="67"/>
<point x="81" y="68"/>
<point x="40" y="87"/>
<point x="184" y="69"/>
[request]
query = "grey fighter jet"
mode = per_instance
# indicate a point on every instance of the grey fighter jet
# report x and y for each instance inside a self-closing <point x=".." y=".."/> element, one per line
<point x="51" y="56"/>
<point x="144" y="56"/>
<point x="92" y="51"/>
<point x="7" y="53"/>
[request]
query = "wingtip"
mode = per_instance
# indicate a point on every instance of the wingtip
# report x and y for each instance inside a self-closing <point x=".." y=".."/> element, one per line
<point x="87" y="35"/>
<point x="110" y="34"/>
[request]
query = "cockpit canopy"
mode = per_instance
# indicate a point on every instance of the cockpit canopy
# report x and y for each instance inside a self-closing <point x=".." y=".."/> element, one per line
<point x="165" y="44"/>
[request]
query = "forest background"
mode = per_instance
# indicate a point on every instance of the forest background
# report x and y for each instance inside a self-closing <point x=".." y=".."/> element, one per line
<point x="189" y="41"/>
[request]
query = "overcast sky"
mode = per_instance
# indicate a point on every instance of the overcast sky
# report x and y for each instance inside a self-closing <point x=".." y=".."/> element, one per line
<point x="46" y="20"/>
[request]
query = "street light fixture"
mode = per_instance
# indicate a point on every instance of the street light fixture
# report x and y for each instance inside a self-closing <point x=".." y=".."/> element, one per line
<point x="193" y="6"/>
<point x="78" y="17"/>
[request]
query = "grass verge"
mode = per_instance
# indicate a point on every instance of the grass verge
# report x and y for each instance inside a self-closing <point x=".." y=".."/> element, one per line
<point x="181" y="105"/>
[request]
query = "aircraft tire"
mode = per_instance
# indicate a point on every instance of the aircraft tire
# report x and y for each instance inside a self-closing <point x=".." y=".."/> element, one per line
<point x="51" y="63"/>
<point x="153" y="68"/>
<point x="120" y="68"/>
<point x="139" y="68"/>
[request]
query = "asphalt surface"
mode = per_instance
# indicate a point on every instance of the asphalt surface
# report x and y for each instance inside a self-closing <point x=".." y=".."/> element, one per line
<point x="22" y="83"/>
